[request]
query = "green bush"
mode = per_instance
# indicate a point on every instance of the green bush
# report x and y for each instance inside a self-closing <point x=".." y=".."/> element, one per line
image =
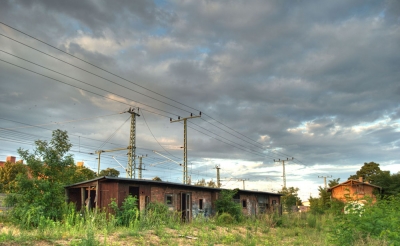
<point x="225" y="219"/>
<point x="226" y="204"/>
<point x="128" y="213"/>
<point x="378" y="221"/>
<point x="157" y="214"/>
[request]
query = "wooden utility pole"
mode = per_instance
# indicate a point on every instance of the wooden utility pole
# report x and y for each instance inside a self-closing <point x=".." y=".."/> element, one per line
<point x="218" y="177"/>
<point x="283" y="169"/>
<point x="243" y="180"/>
<point x="330" y="176"/>
<point x="185" y="169"/>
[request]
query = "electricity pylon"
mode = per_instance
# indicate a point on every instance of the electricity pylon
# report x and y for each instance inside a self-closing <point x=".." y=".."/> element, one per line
<point x="185" y="169"/>
<point x="131" y="169"/>
<point x="283" y="169"/>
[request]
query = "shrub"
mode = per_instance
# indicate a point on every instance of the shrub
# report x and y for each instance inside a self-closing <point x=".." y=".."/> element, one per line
<point x="226" y="204"/>
<point x="225" y="218"/>
<point x="378" y="221"/>
<point x="128" y="213"/>
<point x="157" y="214"/>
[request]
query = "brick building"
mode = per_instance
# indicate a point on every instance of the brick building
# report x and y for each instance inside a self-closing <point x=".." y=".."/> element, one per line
<point x="10" y="159"/>
<point x="354" y="190"/>
<point x="189" y="199"/>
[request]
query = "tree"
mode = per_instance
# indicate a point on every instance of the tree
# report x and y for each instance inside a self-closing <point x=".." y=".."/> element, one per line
<point x="51" y="168"/>
<point x="212" y="184"/>
<point x="333" y="182"/>
<point x="290" y="197"/>
<point x="111" y="172"/>
<point x="8" y="175"/>
<point x="368" y="172"/>
<point x="156" y="178"/>
<point x="82" y="174"/>
<point x="201" y="182"/>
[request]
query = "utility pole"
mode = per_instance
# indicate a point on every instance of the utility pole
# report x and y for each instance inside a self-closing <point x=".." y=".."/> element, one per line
<point x="218" y="177"/>
<point x="185" y="169"/>
<point x="243" y="182"/>
<point x="330" y="176"/>
<point x="283" y="169"/>
<point x="140" y="165"/>
<point x="131" y="169"/>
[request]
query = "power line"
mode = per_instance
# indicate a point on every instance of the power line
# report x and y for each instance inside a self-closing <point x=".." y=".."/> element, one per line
<point x="156" y="138"/>
<point x="122" y="79"/>
<point x="75" y="80"/>
<point x="95" y="66"/>
<point x="90" y="72"/>
<point x="114" y="83"/>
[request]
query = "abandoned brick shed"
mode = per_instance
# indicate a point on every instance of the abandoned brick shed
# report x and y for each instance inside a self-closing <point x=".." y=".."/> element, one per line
<point x="189" y="199"/>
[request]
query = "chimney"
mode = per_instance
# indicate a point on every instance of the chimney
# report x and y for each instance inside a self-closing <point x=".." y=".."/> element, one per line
<point x="360" y="179"/>
<point x="11" y="159"/>
<point x="80" y="164"/>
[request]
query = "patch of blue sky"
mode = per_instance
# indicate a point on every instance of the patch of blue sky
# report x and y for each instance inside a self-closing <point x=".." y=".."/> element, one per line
<point x="159" y="31"/>
<point x="161" y="3"/>
<point x="203" y="50"/>
<point x="74" y="26"/>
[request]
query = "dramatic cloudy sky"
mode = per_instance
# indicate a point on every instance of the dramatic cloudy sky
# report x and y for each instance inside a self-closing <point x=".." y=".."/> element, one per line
<point x="317" y="81"/>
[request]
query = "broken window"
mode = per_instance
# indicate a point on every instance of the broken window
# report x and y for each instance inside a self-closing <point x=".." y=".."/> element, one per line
<point x="273" y="202"/>
<point x="244" y="203"/>
<point x="169" y="199"/>
<point x="200" y="203"/>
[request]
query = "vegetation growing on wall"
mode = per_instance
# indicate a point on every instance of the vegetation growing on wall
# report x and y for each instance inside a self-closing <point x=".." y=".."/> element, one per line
<point x="226" y="204"/>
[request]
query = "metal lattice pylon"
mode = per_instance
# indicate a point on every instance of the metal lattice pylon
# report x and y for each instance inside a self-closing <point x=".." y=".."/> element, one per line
<point x="131" y="168"/>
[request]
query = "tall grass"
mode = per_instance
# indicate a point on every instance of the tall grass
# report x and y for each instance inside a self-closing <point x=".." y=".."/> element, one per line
<point x="377" y="226"/>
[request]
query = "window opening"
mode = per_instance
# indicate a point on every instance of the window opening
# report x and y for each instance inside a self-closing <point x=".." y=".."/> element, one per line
<point x="169" y="199"/>
<point x="200" y="203"/>
<point x="244" y="203"/>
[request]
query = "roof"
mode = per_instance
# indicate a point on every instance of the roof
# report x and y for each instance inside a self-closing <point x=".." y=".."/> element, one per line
<point x="145" y="181"/>
<point x="353" y="181"/>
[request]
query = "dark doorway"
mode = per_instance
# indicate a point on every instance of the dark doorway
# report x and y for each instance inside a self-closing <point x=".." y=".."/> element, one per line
<point x="186" y="201"/>
<point x="134" y="192"/>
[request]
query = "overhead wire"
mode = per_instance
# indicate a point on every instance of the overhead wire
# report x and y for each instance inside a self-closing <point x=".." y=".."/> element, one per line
<point x="61" y="122"/>
<point x="144" y="118"/>
<point x="75" y="80"/>
<point x="92" y="73"/>
<point x="121" y="85"/>
<point x="125" y="80"/>
<point x="113" y="134"/>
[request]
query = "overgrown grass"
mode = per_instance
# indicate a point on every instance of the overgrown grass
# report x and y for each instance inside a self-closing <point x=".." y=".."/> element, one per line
<point x="378" y="225"/>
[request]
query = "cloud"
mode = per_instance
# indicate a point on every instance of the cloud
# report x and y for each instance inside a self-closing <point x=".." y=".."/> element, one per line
<point x="314" y="81"/>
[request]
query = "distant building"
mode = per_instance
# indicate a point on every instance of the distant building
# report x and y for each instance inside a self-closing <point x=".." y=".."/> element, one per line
<point x="354" y="190"/>
<point x="189" y="200"/>
<point x="10" y="159"/>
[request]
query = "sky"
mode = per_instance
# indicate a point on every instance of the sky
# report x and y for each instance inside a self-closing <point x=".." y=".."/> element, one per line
<point x="318" y="82"/>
